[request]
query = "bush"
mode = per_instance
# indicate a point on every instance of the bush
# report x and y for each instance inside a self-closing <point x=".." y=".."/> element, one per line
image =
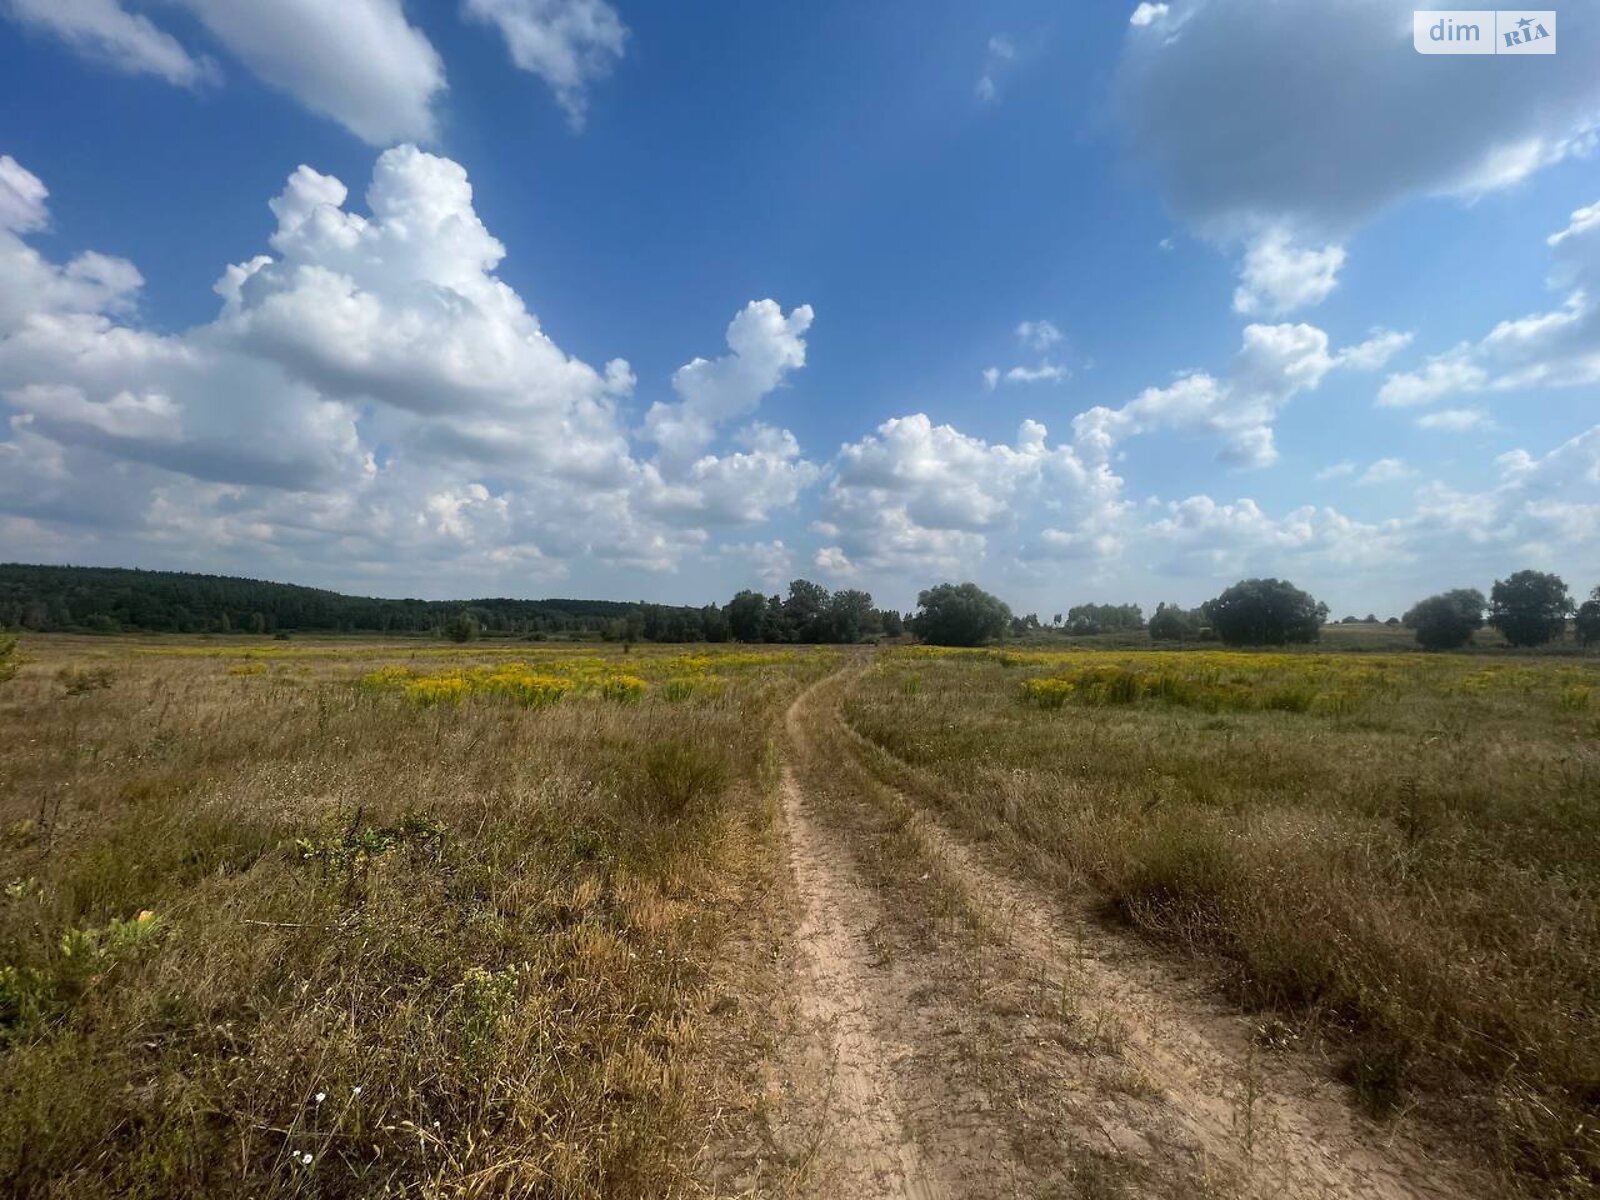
<point x="463" y="627"/>
<point x="8" y="657"/>
<point x="624" y="689"/>
<point x="678" y="773"/>
<point x="80" y="681"/>
<point x="1447" y="621"/>
<point x="1265" y="612"/>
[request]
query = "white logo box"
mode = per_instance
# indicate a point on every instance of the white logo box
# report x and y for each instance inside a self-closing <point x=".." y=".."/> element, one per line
<point x="1484" y="31"/>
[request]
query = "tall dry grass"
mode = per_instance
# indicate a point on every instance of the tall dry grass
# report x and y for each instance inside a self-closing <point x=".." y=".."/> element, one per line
<point x="1398" y="854"/>
<point x="269" y="932"/>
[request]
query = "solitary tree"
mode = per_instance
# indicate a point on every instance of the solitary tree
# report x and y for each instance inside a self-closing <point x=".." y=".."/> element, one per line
<point x="1530" y="608"/>
<point x="463" y="627"/>
<point x="1588" y="621"/>
<point x="959" y="615"/>
<point x="1265" y="612"/>
<point x="1447" y="621"/>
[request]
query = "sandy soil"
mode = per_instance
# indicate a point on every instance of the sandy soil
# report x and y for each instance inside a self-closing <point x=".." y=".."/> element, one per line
<point x="1024" y="1048"/>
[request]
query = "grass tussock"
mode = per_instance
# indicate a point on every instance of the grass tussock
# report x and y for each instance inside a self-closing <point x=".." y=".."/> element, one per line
<point x="292" y="933"/>
<point x="1398" y="854"/>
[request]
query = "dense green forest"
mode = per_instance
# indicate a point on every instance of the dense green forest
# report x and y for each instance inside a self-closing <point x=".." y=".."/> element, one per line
<point x="109" y="600"/>
<point x="49" y="599"/>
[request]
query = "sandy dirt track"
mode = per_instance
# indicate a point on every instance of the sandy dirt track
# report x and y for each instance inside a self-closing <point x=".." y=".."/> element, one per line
<point x="1010" y="1044"/>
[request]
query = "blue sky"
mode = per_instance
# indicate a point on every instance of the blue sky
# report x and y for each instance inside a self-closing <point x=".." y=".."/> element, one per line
<point x="529" y="297"/>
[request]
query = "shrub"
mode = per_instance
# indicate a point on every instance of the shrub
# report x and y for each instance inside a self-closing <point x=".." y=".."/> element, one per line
<point x="531" y="691"/>
<point x="678" y="773"/>
<point x="625" y="689"/>
<point x="80" y="681"/>
<point x="680" y="688"/>
<point x="437" y="689"/>
<point x="1047" y="693"/>
<point x="463" y="627"/>
<point x="8" y="657"/>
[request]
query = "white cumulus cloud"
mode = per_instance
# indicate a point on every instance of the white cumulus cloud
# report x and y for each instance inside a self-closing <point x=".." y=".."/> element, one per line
<point x="370" y="398"/>
<point x="1278" y="276"/>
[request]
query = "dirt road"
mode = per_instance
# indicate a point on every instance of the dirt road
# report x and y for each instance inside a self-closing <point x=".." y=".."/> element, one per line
<point x="956" y="1032"/>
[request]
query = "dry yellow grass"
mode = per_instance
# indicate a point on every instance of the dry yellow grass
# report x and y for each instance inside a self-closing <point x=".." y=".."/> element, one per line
<point x="1399" y="854"/>
<point x="268" y="931"/>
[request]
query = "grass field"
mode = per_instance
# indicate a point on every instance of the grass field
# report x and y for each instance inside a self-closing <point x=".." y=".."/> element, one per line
<point x="1399" y="855"/>
<point x="352" y="918"/>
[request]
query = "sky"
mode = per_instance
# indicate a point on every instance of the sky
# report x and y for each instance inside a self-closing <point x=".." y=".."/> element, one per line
<point x="1097" y="302"/>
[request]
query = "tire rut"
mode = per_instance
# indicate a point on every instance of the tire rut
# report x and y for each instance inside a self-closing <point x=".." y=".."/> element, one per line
<point x="1237" y="1118"/>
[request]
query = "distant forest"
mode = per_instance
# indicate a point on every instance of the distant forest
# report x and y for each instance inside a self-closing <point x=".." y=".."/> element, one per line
<point x="48" y="599"/>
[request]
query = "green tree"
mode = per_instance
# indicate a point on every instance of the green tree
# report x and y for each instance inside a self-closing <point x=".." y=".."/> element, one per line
<point x="1104" y="618"/>
<point x="463" y="627"/>
<point x="1447" y="621"/>
<point x="1171" y="623"/>
<point x="849" y="616"/>
<point x="746" y="615"/>
<point x="1530" y="608"/>
<point x="713" y="624"/>
<point x="959" y="615"/>
<point x="805" y="611"/>
<point x="775" y="626"/>
<point x="1265" y="612"/>
<point x="1588" y="621"/>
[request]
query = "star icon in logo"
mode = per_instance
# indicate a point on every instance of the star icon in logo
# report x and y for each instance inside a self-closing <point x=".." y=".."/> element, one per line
<point x="1524" y="23"/>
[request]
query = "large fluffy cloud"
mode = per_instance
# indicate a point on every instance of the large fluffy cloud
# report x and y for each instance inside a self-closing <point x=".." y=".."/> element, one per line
<point x="370" y="391"/>
<point x="915" y="496"/>
<point x="1248" y="117"/>
<point x="1247" y="113"/>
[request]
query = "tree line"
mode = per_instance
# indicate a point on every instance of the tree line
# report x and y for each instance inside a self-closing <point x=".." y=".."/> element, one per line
<point x="1529" y="608"/>
<point x="50" y="599"/>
